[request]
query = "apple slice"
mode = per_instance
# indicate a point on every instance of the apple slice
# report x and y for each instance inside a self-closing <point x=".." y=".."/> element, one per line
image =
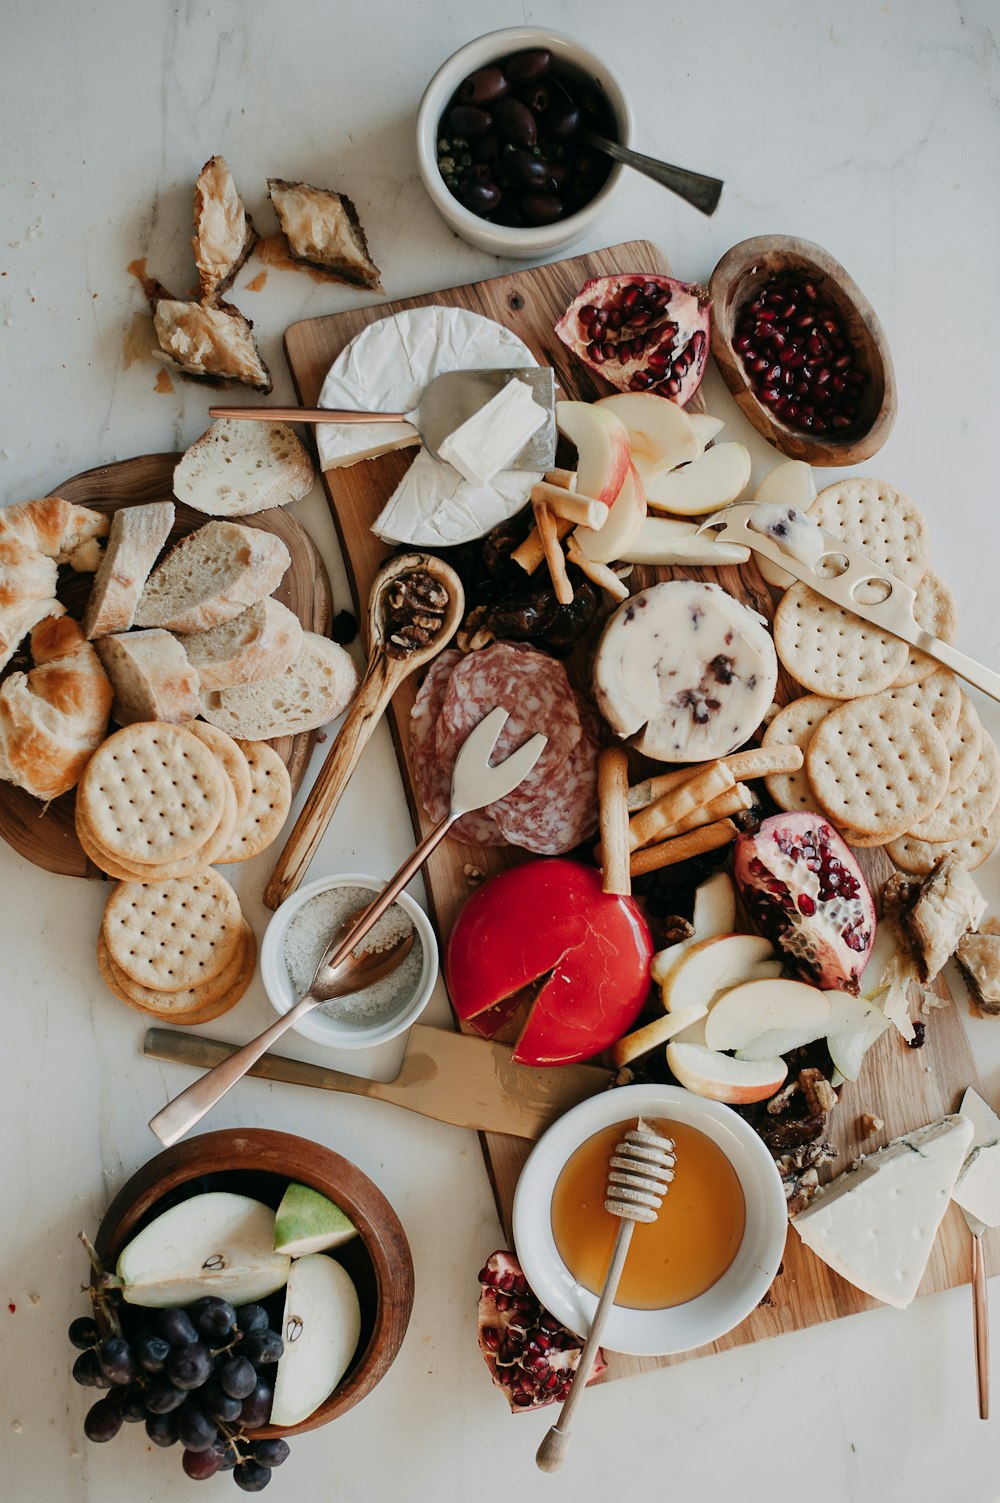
<point x="706" y="427"/>
<point x="633" y="1045"/>
<point x="720" y="475"/>
<point x="216" y="1243"/>
<point x="745" y="1012"/>
<point x="661" y="435"/>
<point x="710" y="965"/>
<point x="320" y="1328"/>
<point x="719" y="1077"/>
<point x="788" y="484"/>
<point x="306" y="1222"/>
<point x="602" y="446"/>
<point x="668" y="540"/>
<point x="715" y="906"/>
<point x="625" y="519"/>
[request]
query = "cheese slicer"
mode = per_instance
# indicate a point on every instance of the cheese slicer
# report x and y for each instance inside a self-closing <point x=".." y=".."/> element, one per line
<point x="893" y="613"/>
<point x="977" y="1192"/>
<point x="445" y="404"/>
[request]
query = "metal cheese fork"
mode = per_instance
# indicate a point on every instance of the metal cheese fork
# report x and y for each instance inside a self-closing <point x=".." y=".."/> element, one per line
<point x="475" y="783"/>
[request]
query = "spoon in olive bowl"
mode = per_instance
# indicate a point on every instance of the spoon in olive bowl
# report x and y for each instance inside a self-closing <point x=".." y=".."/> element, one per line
<point x="475" y="783"/>
<point x="694" y="187"/>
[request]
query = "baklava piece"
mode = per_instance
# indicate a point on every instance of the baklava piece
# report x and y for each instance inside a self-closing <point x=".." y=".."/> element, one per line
<point x="323" y="230"/>
<point x="224" y="234"/>
<point x="209" y="341"/>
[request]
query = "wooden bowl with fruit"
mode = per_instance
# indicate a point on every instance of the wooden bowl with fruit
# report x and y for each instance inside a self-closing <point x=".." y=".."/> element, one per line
<point x="252" y="1285"/>
<point x="802" y="351"/>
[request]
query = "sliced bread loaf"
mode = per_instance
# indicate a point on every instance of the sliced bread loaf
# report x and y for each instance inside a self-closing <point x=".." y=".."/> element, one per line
<point x="237" y="468"/>
<point x="211" y="576"/>
<point x="136" y="537"/>
<point x="317" y="687"/>
<point x="258" y="643"/>
<point x="151" y="677"/>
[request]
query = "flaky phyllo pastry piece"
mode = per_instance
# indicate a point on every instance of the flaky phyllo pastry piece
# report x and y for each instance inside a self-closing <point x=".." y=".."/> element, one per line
<point x="322" y="229"/>
<point x="224" y="234"/>
<point x="210" y="341"/>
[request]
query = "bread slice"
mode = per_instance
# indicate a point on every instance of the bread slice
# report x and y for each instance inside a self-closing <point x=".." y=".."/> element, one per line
<point x="137" y="535"/>
<point x="259" y="643"/>
<point x="237" y="468"/>
<point x="151" y="677"/>
<point x="211" y="576"/>
<point x="316" y="688"/>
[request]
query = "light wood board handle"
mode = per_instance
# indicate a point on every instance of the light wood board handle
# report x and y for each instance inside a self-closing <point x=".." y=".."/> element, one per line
<point x="378" y="686"/>
<point x="980" y="1314"/>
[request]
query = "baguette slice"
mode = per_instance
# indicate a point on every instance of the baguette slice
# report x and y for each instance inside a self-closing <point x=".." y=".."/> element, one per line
<point x="317" y="687"/>
<point x="258" y="643"/>
<point x="237" y="468"/>
<point x="137" y="535"/>
<point x="211" y="576"/>
<point x="151" y="677"/>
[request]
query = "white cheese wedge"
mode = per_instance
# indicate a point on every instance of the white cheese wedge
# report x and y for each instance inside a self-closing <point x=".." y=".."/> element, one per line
<point x="977" y="1189"/>
<point x="491" y="438"/>
<point x="433" y="506"/>
<point x="875" y="1224"/>
<point x="686" y="671"/>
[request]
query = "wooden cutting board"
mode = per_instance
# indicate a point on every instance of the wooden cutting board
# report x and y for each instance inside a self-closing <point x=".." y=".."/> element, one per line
<point x="46" y="835"/>
<point x="904" y="1087"/>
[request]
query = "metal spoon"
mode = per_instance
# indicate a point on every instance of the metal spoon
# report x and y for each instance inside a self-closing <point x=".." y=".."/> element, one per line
<point x="694" y="187"/>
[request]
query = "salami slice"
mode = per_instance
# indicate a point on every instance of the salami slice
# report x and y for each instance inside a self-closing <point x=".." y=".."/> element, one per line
<point x="431" y="774"/>
<point x="562" y="812"/>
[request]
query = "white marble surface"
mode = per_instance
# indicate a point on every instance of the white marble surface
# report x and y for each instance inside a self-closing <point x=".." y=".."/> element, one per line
<point x="873" y="130"/>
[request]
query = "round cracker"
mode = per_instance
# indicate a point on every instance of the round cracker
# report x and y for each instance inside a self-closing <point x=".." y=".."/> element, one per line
<point x="935" y="610"/>
<point x="199" y="1004"/>
<point x="965" y="808"/>
<point x="879" y="521"/>
<point x="921" y="856"/>
<point x="152" y="792"/>
<point x="270" y="802"/>
<point x="876" y="762"/>
<point x="965" y="742"/>
<point x="831" y="651"/>
<point x="793" y="726"/>
<point x="938" y="696"/>
<point x="234" y="763"/>
<point x="175" y="934"/>
<point x="165" y="871"/>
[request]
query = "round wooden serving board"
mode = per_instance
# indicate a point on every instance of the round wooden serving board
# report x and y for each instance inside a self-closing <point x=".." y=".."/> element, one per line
<point x="46" y="834"/>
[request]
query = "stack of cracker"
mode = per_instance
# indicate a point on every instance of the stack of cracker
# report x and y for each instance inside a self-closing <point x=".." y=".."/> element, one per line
<point x="895" y="753"/>
<point x="157" y="805"/>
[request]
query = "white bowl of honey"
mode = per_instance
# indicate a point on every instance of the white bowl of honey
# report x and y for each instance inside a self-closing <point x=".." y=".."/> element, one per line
<point x="694" y="1273"/>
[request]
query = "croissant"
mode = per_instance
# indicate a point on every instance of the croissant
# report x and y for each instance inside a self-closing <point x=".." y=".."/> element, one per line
<point x="53" y="718"/>
<point x="35" y="538"/>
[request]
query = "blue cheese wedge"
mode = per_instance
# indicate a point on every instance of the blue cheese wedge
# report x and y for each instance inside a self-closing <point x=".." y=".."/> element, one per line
<point x="686" y="671"/>
<point x="875" y="1224"/>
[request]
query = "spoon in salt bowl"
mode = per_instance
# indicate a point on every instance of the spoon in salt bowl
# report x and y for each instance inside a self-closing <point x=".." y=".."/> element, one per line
<point x="641" y="1169"/>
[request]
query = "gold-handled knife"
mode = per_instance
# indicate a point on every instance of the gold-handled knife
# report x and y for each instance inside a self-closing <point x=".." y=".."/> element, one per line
<point x="469" y="1082"/>
<point x="977" y="1192"/>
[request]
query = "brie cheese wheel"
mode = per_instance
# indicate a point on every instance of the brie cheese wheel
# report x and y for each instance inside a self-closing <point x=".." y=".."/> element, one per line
<point x="875" y="1224"/>
<point x="686" y="671"/>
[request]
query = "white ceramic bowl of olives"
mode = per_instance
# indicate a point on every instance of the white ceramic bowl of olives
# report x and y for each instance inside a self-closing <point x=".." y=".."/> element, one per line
<point x="498" y="143"/>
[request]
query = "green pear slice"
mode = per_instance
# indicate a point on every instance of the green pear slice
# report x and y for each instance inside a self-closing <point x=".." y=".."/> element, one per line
<point x="759" y="1011"/>
<point x="306" y="1222"/>
<point x="217" y="1243"/>
<point x="854" y="1026"/>
<point x="320" y="1329"/>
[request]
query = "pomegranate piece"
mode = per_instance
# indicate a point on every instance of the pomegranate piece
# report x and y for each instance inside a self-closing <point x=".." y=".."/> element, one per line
<point x="799" y="358"/>
<point x="641" y="333"/>
<point x="804" y="888"/>
<point x="532" y="1358"/>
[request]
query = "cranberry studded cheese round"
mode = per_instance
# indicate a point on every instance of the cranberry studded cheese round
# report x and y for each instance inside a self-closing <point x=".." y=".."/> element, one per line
<point x="685" y="671"/>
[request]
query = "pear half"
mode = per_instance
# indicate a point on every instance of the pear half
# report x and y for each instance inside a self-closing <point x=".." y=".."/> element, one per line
<point x="320" y="1329"/>
<point x="307" y="1222"/>
<point x="216" y="1243"/>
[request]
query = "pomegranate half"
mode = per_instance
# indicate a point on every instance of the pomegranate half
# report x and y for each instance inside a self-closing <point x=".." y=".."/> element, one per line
<point x="805" y="890"/>
<point x="641" y="333"/>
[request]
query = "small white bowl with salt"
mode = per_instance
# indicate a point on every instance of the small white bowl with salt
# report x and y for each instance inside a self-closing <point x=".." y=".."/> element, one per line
<point x="293" y="946"/>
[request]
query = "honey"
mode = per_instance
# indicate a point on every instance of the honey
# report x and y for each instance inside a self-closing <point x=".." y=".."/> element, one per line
<point x="689" y="1246"/>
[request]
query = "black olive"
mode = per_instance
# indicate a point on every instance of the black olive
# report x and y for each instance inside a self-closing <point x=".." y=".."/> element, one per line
<point x="516" y="122"/>
<point x="478" y="196"/>
<point x="524" y="67"/>
<point x="542" y="208"/>
<point x="529" y="171"/>
<point x="467" y="121"/>
<point x="483" y="86"/>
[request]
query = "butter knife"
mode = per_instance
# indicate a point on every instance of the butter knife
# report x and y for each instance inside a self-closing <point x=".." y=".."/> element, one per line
<point x="893" y="614"/>
<point x="469" y="1082"/>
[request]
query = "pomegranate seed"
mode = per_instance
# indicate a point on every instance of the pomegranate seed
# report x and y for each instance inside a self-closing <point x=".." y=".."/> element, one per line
<point x="779" y="341"/>
<point x="743" y="343"/>
<point x="630" y="297"/>
<point x="587" y="315"/>
<point x="673" y="386"/>
<point x="770" y="395"/>
<point x="766" y="316"/>
<point x="840" y="421"/>
<point x="641" y="381"/>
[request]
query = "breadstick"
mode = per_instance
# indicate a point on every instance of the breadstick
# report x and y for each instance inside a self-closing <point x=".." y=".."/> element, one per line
<point x="683" y="847"/>
<point x="578" y="509"/>
<point x="530" y="553"/>
<point x="758" y="762"/>
<point x="546" y="524"/>
<point x="729" y="802"/>
<point x="565" y="479"/>
<point x="655" y="821"/>
<point x="601" y="575"/>
<point x="612" y="797"/>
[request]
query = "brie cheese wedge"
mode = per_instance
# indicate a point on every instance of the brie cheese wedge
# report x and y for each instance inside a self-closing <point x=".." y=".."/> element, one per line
<point x="875" y="1224"/>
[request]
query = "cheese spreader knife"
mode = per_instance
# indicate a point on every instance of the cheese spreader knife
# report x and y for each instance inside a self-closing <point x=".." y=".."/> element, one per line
<point x="469" y="1082"/>
<point x="977" y="1192"/>
<point x="893" y="614"/>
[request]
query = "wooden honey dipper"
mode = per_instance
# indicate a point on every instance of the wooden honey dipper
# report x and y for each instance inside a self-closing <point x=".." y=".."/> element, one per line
<point x="641" y="1169"/>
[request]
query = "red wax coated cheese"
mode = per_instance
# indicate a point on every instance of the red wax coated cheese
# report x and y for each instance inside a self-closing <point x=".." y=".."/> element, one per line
<point x="550" y="916"/>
